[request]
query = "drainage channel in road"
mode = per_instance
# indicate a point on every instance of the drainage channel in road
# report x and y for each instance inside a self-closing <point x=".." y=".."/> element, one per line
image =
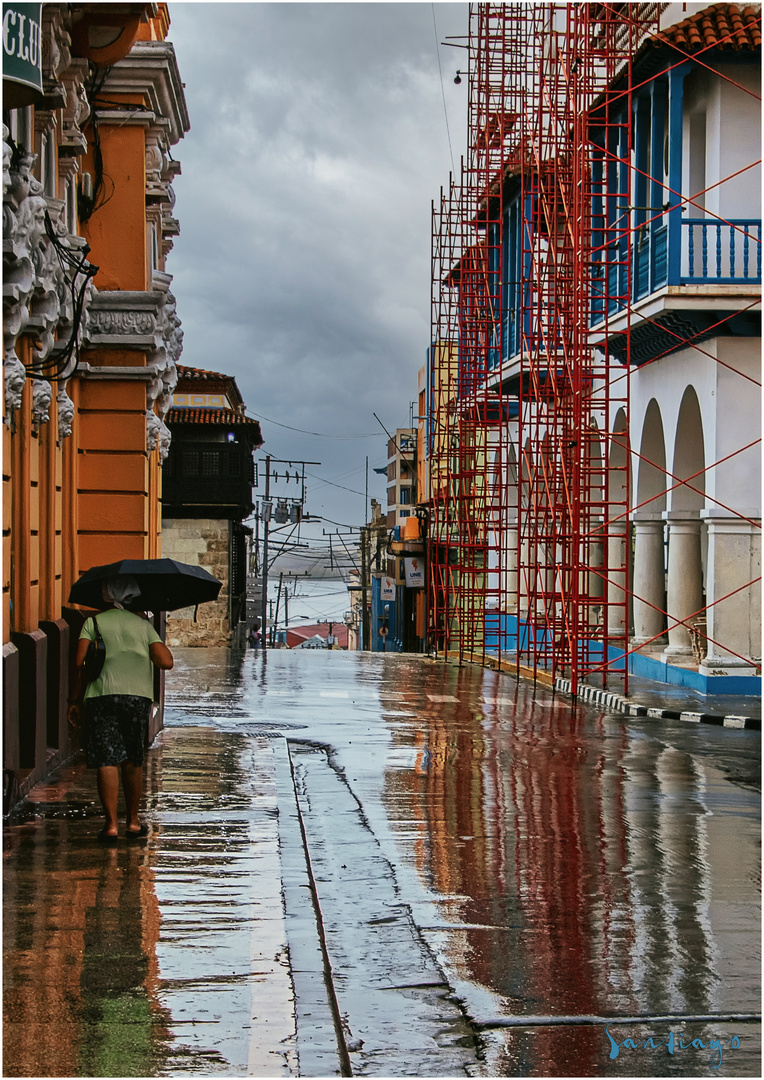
<point x="389" y="1004"/>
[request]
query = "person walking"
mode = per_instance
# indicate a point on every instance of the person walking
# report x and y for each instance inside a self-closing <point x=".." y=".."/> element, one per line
<point x="117" y="703"/>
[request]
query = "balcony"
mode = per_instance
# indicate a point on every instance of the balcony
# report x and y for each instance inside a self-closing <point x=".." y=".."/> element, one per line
<point x="208" y="479"/>
<point x="691" y="278"/>
<point x="721" y="252"/>
<point x="699" y="252"/>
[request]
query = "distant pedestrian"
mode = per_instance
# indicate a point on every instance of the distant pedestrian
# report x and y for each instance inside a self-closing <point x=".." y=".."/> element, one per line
<point x="117" y="703"/>
<point x="254" y="636"/>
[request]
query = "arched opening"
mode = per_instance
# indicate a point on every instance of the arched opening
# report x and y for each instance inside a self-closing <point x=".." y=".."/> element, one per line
<point x="616" y="523"/>
<point x="591" y="555"/>
<point x="526" y="572"/>
<point x="689" y="456"/>
<point x="651" y="469"/>
<point x="649" y="579"/>
<point x="685" y="601"/>
<point x="509" y="539"/>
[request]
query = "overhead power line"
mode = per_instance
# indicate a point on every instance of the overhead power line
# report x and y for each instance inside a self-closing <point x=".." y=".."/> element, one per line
<point x="317" y="434"/>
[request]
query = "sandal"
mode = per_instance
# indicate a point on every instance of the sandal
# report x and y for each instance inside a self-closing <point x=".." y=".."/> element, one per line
<point x="109" y="839"/>
<point x="137" y="834"/>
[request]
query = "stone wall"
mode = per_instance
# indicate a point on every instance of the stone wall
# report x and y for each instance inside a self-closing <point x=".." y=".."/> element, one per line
<point x="201" y="542"/>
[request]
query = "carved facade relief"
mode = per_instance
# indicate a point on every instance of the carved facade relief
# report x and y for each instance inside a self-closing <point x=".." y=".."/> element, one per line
<point x="65" y="407"/>
<point x="40" y="253"/>
<point x="14" y="377"/>
<point x="42" y="395"/>
<point x="163" y="363"/>
<point x="37" y="283"/>
<point x="76" y="110"/>
<point x="56" y="52"/>
<point x="153" y="428"/>
<point x="165" y="438"/>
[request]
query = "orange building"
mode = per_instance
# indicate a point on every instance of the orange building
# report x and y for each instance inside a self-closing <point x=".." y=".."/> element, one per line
<point x="91" y="335"/>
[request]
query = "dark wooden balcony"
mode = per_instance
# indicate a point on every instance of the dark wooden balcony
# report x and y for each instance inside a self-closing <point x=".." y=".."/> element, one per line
<point x="208" y="479"/>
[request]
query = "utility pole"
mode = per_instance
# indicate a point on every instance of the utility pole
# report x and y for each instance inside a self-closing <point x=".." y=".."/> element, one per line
<point x="266" y="515"/>
<point x="365" y="587"/>
<point x="266" y="507"/>
<point x="278" y="604"/>
<point x="286" y="606"/>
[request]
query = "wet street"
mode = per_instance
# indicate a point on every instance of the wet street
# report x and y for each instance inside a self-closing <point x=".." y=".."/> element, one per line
<point x="388" y="866"/>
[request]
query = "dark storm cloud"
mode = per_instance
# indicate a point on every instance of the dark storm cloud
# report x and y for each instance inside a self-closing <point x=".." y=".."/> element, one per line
<point x="317" y="142"/>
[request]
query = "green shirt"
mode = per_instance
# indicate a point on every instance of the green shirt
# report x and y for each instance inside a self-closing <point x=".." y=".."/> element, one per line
<point x="128" y="668"/>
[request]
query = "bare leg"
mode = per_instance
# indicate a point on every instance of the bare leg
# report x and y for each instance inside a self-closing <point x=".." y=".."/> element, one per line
<point x="132" y="785"/>
<point x="108" y="790"/>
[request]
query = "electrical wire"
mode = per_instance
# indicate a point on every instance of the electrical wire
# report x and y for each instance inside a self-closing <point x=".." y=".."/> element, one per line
<point x="442" y="90"/>
<point x="333" y="484"/>
<point x="56" y="367"/>
<point x="87" y="206"/>
<point x="317" y="434"/>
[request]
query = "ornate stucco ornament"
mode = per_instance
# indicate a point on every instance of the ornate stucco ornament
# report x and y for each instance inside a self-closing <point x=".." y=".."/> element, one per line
<point x="37" y="281"/>
<point x="65" y="407"/>
<point x="163" y="365"/>
<point x="124" y="320"/>
<point x="23" y="230"/>
<point x="42" y="395"/>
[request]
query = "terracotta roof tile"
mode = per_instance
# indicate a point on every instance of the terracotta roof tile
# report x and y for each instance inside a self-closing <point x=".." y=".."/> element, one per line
<point x="722" y="26"/>
<point x="227" y="417"/>
<point x="200" y="375"/>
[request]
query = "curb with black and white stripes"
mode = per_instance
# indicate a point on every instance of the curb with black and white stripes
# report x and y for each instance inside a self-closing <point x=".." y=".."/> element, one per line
<point x="593" y="696"/>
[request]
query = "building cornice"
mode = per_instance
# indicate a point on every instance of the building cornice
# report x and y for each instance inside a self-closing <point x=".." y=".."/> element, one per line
<point x="151" y="69"/>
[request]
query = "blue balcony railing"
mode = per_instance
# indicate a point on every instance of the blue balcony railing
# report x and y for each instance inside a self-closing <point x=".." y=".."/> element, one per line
<point x="721" y="252"/>
<point x="710" y="252"/>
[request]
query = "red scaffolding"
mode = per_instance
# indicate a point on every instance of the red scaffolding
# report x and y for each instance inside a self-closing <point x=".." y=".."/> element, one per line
<point x="535" y="252"/>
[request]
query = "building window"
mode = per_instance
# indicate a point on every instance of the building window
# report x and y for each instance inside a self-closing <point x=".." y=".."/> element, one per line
<point x="154" y="247"/>
<point x="21" y="127"/>
<point x="71" y="206"/>
<point x="405" y="498"/>
<point x="404" y="513"/>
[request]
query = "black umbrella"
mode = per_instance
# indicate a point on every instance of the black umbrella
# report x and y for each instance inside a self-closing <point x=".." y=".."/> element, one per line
<point x="165" y="584"/>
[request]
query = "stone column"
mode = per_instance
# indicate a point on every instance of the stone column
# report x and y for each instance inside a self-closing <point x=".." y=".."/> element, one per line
<point x="616" y="581"/>
<point x="649" y="581"/>
<point x="526" y="573"/>
<point x="593" y="579"/>
<point x="734" y="559"/>
<point x="685" y="579"/>
<point x="510" y="567"/>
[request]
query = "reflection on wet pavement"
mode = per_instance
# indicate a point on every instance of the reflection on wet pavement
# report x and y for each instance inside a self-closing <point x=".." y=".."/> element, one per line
<point x="222" y="952"/>
<point x="80" y="994"/>
<point x="498" y="872"/>
<point x="398" y="1019"/>
<point x="156" y="960"/>
<point x="559" y="861"/>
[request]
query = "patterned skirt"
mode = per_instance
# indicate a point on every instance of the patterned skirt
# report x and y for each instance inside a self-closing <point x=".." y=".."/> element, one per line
<point x="116" y="729"/>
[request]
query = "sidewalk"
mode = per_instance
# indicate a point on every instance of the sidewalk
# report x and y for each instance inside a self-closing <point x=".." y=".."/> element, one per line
<point x="663" y="701"/>
<point x="214" y="993"/>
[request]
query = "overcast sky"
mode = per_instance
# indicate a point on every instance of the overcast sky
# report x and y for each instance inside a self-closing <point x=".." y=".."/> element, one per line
<point x="318" y="141"/>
